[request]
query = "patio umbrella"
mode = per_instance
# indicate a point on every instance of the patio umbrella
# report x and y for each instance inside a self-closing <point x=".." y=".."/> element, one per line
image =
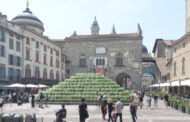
<point x="185" y="83"/>
<point x="17" y="85"/>
<point x="42" y="86"/>
<point x="31" y="86"/>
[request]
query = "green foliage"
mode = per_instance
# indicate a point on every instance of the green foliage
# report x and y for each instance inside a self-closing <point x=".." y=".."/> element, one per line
<point x="88" y="86"/>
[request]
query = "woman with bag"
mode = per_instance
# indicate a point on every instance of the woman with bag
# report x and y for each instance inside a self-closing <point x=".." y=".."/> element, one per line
<point x="83" y="110"/>
<point x="110" y="107"/>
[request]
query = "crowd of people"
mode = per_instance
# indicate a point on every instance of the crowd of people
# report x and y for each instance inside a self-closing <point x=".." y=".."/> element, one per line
<point x="107" y="107"/>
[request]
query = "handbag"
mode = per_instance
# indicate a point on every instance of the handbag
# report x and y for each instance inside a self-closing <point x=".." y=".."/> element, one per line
<point x="87" y="115"/>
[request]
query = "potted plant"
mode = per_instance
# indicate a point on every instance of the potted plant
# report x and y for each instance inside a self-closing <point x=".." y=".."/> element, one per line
<point x="182" y="105"/>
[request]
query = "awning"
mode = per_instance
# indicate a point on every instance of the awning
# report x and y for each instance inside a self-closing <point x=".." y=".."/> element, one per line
<point x="175" y="83"/>
<point x="185" y="83"/>
<point x="164" y="84"/>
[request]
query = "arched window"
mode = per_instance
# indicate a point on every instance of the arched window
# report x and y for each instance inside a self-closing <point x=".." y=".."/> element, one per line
<point x="27" y="71"/>
<point x="119" y="60"/>
<point x="45" y="74"/>
<point x="51" y="75"/>
<point x="37" y="72"/>
<point x="103" y="62"/>
<point x="99" y="61"/>
<point x="183" y="65"/>
<point x="175" y="68"/>
<point x="57" y="75"/>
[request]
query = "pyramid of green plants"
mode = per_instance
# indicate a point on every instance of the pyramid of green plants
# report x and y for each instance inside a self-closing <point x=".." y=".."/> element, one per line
<point x="88" y="86"/>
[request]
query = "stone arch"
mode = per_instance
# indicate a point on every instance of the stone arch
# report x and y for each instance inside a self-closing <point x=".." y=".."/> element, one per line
<point x="147" y="79"/>
<point x="124" y="80"/>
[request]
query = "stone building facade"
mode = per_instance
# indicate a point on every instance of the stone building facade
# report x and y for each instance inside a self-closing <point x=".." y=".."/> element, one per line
<point x="117" y="56"/>
<point x="11" y="55"/>
<point x="41" y="60"/>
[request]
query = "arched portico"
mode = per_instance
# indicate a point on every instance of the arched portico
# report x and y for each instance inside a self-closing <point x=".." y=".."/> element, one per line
<point x="124" y="80"/>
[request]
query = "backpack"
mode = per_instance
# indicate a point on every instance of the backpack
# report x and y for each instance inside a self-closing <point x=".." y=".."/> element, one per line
<point x="133" y="109"/>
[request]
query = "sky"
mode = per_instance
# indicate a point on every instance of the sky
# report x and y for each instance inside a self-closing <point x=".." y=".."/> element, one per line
<point x="157" y="18"/>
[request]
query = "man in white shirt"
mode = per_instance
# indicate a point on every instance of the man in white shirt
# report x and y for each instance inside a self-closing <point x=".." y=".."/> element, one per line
<point x="118" y="109"/>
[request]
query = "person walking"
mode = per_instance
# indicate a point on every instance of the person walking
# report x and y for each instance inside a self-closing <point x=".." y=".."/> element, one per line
<point x="41" y="100"/>
<point x="148" y="100"/>
<point x="141" y="100"/>
<point x="103" y="106"/>
<point x="46" y="100"/>
<point x="83" y="110"/>
<point x="10" y="99"/>
<point x="110" y="107"/>
<point x="133" y="110"/>
<point x="1" y="103"/>
<point x="166" y="100"/>
<point x="33" y="101"/>
<point x="118" y="109"/>
<point x="156" y="100"/>
<point x="99" y="100"/>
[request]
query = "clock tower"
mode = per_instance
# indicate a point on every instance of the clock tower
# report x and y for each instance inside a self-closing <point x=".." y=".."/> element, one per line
<point x="187" y="16"/>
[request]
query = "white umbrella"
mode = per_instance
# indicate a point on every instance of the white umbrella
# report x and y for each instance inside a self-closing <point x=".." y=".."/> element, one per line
<point x="17" y="85"/>
<point x="155" y="85"/>
<point x="164" y="84"/>
<point x="175" y="83"/>
<point x="31" y="86"/>
<point x="42" y="86"/>
<point x="185" y="82"/>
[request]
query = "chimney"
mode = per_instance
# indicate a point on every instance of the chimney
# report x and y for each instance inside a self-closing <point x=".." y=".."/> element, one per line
<point x="3" y="20"/>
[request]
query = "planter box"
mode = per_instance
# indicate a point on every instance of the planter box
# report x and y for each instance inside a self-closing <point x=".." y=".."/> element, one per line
<point x="176" y="107"/>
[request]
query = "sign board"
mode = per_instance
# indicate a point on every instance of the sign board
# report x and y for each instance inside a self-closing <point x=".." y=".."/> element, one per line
<point x="100" y="50"/>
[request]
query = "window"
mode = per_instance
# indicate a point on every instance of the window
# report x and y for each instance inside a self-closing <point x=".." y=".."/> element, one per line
<point x="10" y="74"/>
<point x="82" y="62"/>
<point x="28" y="54"/>
<point x="57" y="53"/>
<point x="183" y="45"/>
<point x="17" y="46"/>
<point x="2" y="51"/>
<point x="11" y="44"/>
<point x="45" y="48"/>
<point x="1" y="36"/>
<point x="27" y="71"/>
<point x="37" y="44"/>
<point x="100" y="61"/>
<point x="37" y="56"/>
<point x="18" y="74"/>
<point x="57" y="75"/>
<point x="37" y="73"/>
<point x="57" y="63"/>
<point x="175" y="50"/>
<point x="11" y="60"/>
<point x="45" y="59"/>
<point x="51" y="75"/>
<point x="51" y="61"/>
<point x="183" y="65"/>
<point x="18" y="61"/>
<point x="2" y="72"/>
<point x="174" y="68"/>
<point x="28" y="40"/>
<point x="45" y="74"/>
<point x="51" y="50"/>
<point x="119" y="60"/>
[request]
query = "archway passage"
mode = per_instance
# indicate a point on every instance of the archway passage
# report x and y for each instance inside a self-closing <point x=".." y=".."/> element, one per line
<point x="124" y="80"/>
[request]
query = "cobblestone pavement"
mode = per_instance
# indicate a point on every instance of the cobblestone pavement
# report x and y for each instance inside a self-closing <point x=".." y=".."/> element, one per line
<point x="47" y="114"/>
